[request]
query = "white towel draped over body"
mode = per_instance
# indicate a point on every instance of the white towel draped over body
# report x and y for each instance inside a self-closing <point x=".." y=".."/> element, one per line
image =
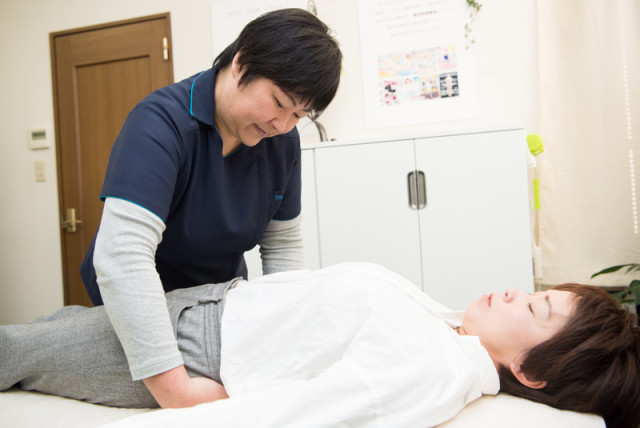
<point x="349" y="345"/>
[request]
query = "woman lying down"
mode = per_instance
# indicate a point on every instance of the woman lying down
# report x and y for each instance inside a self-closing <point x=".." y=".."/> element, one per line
<point x="350" y="345"/>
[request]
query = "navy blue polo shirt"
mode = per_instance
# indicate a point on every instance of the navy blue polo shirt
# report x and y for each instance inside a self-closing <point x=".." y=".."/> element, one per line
<point x="168" y="159"/>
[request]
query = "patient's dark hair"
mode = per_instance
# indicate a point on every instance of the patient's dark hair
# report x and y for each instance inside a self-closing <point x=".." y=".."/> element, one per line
<point x="292" y="48"/>
<point x="592" y="365"/>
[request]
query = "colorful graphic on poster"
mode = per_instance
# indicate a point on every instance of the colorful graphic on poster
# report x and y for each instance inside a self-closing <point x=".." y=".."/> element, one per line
<point x="416" y="76"/>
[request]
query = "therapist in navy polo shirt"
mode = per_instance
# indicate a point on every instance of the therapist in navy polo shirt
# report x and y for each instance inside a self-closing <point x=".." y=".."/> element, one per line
<point x="202" y="171"/>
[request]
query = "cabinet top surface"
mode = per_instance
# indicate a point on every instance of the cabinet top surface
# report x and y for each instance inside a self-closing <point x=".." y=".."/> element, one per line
<point x="334" y="143"/>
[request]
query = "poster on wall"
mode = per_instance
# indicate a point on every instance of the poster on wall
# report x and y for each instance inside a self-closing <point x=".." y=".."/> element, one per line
<point x="228" y="17"/>
<point x="416" y="65"/>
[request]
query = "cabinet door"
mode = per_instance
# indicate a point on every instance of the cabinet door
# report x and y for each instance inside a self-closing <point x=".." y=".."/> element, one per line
<point x="363" y="207"/>
<point x="475" y="228"/>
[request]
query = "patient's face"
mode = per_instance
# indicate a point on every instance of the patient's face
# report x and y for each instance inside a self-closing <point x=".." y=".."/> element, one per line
<point x="509" y="324"/>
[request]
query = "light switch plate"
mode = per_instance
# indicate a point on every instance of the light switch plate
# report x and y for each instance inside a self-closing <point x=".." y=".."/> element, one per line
<point x="40" y="169"/>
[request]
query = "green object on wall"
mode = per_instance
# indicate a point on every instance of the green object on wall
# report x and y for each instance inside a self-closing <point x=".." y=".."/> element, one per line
<point x="535" y="144"/>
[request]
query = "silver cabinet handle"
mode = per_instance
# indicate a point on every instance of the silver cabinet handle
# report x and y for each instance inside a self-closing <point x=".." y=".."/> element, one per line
<point x="417" y="186"/>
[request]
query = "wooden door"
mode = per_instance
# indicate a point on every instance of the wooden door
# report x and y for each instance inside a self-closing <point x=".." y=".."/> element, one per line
<point x="99" y="74"/>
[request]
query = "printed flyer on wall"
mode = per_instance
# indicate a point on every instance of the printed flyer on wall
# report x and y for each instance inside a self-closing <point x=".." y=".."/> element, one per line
<point x="228" y="17"/>
<point x="416" y="65"/>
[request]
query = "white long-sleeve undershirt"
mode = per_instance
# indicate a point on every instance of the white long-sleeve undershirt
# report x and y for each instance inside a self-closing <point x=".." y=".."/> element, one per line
<point x="124" y="259"/>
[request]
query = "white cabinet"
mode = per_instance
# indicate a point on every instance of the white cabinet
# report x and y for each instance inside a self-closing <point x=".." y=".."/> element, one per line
<point x="475" y="229"/>
<point x="363" y="209"/>
<point x="471" y="238"/>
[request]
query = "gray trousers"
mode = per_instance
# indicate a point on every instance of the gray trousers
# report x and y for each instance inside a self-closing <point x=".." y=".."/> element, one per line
<point x="75" y="352"/>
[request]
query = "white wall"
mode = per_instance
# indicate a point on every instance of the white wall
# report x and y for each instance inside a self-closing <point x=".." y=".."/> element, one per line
<point x="30" y="259"/>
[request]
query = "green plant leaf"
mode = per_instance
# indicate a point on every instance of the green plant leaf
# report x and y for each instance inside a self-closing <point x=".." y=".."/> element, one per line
<point x="631" y="293"/>
<point x="619" y="295"/>
<point x="631" y="267"/>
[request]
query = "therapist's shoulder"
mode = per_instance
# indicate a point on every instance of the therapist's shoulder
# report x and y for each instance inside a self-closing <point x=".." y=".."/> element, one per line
<point x="169" y="104"/>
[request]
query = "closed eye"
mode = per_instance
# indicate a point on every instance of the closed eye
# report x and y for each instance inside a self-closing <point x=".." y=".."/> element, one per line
<point x="531" y="308"/>
<point x="281" y="106"/>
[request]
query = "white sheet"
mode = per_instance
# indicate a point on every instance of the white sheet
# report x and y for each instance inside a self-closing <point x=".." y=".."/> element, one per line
<point x="353" y="344"/>
<point x="21" y="409"/>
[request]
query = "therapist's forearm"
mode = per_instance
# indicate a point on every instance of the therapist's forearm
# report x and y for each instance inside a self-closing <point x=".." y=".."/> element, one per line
<point x="124" y="259"/>
<point x="174" y="388"/>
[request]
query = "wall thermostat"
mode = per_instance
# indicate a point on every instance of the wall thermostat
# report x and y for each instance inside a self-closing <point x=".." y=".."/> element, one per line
<point x="38" y="139"/>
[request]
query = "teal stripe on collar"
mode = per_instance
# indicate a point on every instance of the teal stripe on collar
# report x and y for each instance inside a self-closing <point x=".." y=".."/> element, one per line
<point x="191" y="96"/>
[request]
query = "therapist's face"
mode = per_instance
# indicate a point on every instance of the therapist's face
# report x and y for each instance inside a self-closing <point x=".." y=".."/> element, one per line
<point x="510" y="324"/>
<point x="260" y="109"/>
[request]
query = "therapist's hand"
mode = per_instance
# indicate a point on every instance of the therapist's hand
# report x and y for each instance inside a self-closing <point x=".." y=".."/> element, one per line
<point x="174" y="388"/>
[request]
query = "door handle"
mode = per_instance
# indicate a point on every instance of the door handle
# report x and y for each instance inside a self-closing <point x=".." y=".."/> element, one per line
<point x="71" y="221"/>
<point x="417" y="186"/>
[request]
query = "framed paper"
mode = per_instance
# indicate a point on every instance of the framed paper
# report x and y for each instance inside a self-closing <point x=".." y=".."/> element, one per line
<point x="416" y="65"/>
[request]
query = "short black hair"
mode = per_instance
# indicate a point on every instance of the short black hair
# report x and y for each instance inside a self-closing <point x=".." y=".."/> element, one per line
<point x="591" y="365"/>
<point x="292" y="48"/>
